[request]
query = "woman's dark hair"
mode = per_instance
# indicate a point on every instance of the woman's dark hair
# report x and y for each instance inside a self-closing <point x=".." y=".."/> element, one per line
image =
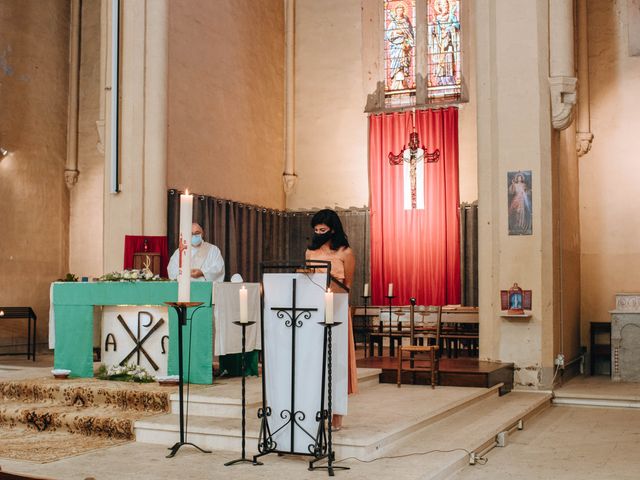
<point x="330" y="218"/>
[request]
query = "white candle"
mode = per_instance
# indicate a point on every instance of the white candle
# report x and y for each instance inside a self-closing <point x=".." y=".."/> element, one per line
<point x="328" y="307"/>
<point x="184" y="247"/>
<point x="390" y="294"/>
<point x="244" y="306"/>
<point x="366" y="290"/>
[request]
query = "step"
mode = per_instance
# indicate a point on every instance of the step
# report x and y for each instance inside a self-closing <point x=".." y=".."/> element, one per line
<point x="472" y="429"/>
<point x="380" y="415"/>
<point x="223" y="398"/>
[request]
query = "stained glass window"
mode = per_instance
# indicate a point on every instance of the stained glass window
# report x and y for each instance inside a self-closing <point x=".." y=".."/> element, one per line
<point x="443" y="49"/>
<point x="400" y="52"/>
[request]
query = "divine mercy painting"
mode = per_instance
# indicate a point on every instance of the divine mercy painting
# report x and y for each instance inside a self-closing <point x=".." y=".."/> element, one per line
<point x="519" y="195"/>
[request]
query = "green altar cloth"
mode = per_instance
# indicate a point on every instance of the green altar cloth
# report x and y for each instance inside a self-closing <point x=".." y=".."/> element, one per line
<point x="231" y="364"/>
<point x="73" y="306"/>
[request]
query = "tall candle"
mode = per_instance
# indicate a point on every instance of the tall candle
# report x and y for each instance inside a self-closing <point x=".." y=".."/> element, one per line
<point x="184" y="247"/>
<point x="244" y="306"/>
<point x="328" y="307"/>
<point x="366" y="290"/>
<point x="390" y="294"/>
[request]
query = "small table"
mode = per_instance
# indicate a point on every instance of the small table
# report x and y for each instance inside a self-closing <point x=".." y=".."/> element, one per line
<point x="29" y="314"/>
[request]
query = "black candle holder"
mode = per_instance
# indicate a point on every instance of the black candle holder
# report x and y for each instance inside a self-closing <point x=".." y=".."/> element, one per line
<point x="331" y="456"/>
<point x="367" y="338"/>
<point x="243" y="458"/>
<point x="181" y="310"/>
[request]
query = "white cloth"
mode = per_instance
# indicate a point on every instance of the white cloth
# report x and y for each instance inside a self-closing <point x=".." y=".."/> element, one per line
<point x="309" y="354"/>
<point x="228" y="337"/>
<point x="52" y="320"/>
<point x="206" y="257"/>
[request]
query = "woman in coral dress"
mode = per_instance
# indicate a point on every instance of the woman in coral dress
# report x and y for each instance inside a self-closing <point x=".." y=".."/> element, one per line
<point x="329" y="243"/>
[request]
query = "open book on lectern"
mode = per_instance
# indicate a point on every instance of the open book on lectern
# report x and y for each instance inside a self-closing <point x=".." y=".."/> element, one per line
<point x="294" y="360"/>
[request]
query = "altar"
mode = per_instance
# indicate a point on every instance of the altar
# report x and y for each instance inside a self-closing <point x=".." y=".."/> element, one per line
<point x="625" y="338"/>
<point x="74" y="303"/>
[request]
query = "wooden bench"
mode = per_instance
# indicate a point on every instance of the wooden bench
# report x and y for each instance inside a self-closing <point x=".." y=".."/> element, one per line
<point x="29" y="314"/>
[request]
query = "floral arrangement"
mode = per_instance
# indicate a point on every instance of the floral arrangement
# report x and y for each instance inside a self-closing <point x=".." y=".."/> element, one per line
<point x="125" y="373"/>
<point x="143" y="275"/>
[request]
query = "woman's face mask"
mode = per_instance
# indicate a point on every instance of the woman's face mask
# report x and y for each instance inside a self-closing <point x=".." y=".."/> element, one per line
<point x="196" y="240"/>
<point x="320" y="239"/>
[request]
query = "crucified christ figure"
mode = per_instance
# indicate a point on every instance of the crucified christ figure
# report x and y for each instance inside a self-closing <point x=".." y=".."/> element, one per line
<point x="412" y="156"/>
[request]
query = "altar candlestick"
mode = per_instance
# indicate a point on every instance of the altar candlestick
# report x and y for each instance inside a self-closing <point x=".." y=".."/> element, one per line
<point x="390" y="294"/>
<point x="244" y="317"/>
<point x="328" y="307"/>
<point x="184" y="247"/>
<point x="366" y="290"/>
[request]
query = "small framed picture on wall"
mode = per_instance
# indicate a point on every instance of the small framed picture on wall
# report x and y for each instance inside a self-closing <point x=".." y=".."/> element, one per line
<point x="519" y="202"/>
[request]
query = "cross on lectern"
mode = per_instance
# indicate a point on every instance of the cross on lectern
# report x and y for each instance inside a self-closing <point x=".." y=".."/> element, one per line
<point x="413" y="155"/>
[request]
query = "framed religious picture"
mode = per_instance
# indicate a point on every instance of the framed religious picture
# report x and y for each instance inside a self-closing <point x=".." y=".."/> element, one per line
<point x="515" y="300"/>
<point x="519" y="202"/>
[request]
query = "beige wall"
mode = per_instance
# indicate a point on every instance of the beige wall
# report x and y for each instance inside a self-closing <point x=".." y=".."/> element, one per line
<point x="34" y="202"/>
<point x="331" y="88"/>
<point x="609" y="174"/>
<point x="86" y="219"/>
<point x="226" y="99"/>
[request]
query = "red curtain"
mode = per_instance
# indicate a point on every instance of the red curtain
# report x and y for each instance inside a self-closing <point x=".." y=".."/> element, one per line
<point x="135" y="244"/>
<point x="416" y="250"/>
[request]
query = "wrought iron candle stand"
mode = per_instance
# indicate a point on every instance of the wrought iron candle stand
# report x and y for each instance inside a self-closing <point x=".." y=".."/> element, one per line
<point x="243" y="458"/>
<point x="328" y="413"/>
<point x="181" y="310"/>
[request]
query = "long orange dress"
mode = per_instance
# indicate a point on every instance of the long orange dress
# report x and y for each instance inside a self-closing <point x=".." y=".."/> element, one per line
<point x="336" y="257"/>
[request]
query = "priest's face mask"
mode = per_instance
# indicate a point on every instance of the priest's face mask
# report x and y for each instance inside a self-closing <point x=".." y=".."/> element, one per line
<point x="196" y="235"/>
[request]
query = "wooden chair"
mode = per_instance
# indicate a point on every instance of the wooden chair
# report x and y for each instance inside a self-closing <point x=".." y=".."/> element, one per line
<point x="432" y="350"/>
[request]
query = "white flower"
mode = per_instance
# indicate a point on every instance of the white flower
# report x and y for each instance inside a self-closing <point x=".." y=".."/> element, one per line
<point x="134" y="274"/>
<point x="148" y="275"/>
<point x="126" y="275"/>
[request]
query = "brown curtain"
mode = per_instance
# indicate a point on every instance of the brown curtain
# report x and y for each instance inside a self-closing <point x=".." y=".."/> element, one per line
<point x="245" y="234"/>
<point x="469" y="254"/>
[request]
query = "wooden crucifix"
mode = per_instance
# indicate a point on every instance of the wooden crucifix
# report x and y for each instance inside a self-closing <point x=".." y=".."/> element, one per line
<point x="412" y="156"/>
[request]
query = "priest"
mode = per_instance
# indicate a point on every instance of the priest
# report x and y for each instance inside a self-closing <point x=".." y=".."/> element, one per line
<point x="207" y="263"/>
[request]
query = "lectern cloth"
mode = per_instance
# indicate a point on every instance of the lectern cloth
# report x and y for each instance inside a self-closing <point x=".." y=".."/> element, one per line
<point x="309" y="342"/>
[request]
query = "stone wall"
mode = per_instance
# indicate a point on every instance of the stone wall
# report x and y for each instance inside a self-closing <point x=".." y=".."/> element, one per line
<point x="34" y="201"/>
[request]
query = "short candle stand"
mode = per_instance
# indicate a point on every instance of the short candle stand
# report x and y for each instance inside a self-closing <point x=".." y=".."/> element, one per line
<point x="367" y="339"/>
<point x="391" y="346"/>
<point x="181" y="310"/>
<point x="243" y="458"/>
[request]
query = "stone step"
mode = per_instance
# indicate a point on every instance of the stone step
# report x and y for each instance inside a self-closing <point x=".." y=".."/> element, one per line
<point x="596" y="400"/>
<point x="472" y="429"/>
<point x="379" y="416"/>
<point x="223" y="398"/>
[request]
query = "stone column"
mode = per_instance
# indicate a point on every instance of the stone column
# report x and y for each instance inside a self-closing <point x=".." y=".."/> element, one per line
<point x="139" y="208"/>
<point x="71" y="167"/>
<point x="562" y="80"/>
<point x="514" y="133"/>
<point x="584" y="137"/>
<point x="155" y="113"/>
<point x="289" y="176"/>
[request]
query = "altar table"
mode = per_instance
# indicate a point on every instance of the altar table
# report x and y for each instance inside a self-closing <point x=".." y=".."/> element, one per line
<point x="74" y="303"/>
